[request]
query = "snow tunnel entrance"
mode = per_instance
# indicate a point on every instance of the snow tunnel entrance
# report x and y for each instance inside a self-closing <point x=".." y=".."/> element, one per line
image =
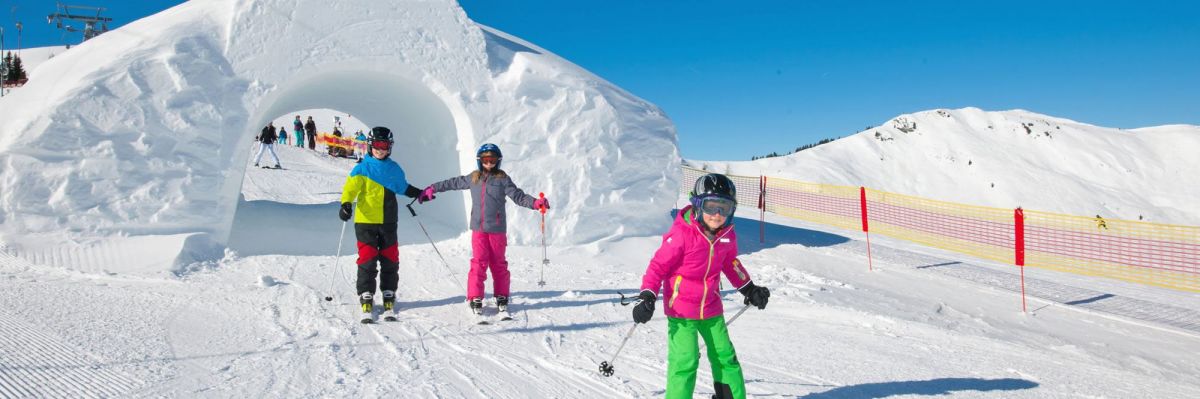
<point x="293" y="211"/>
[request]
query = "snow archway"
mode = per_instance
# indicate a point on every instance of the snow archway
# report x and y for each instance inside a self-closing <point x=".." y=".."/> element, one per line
<point x="127" y="152"/>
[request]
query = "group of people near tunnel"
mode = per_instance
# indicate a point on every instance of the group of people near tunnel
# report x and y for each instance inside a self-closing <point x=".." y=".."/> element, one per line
<point x="700" y="246"/>
<point x="270" y="135"/>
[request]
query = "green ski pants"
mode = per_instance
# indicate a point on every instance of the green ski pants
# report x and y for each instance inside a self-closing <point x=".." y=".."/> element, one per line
<point x="683" y="356"/>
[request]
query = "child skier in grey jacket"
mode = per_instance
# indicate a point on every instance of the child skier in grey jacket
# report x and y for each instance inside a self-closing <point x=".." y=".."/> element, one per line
<point x="489" y="186"/>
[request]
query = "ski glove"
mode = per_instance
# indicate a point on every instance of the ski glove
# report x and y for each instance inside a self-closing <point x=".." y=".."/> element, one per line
<point x="346" y="211"/>
<point x="426" y="195"/>
<point x="644" y="309"/>
<point x="755" y="295"/>
<point x="545" y="203"/>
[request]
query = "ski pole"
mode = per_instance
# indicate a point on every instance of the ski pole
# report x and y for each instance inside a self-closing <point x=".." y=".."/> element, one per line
<point x="545" y="260"/>
<point x="335" y="261"/>
<point x="606" y="368"/>
<point x="735" y="316"/>
<point x="435" y="249"/>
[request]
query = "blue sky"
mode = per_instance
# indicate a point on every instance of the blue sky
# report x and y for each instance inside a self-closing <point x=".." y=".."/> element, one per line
<point x="747" y="78"/>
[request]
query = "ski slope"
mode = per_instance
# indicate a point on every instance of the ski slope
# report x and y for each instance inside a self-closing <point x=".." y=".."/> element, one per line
<point x="254" y="324"/>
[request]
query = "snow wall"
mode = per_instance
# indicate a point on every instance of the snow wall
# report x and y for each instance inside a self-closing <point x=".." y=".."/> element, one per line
<point x="131" y="158"/>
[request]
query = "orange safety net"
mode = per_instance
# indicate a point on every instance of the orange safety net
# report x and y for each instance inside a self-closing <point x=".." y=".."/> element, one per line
<point x="1147" y="253"/>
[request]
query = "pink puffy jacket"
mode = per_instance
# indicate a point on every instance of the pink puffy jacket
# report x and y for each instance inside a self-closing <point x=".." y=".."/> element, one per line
<point x="687" y="267"/>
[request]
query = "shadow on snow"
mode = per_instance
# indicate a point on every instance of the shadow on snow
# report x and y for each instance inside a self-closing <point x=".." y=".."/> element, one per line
<point x="937" y="386"/>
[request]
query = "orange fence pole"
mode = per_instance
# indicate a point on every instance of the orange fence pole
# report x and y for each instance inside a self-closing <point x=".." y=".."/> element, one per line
<point x="862" y="199"/>
<point x="1019" y="248"/>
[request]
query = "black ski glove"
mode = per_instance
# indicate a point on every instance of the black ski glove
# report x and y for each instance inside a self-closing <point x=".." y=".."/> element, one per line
<point x="644" y="309"/>
<point x="755" y="295"/>
<point x="346" y="211"/>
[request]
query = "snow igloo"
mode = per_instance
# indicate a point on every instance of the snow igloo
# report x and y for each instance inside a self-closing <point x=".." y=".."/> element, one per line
<point x="126" y="153"/>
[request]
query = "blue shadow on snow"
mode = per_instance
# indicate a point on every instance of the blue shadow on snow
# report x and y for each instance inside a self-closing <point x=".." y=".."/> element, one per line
<point x="937" y="386"/>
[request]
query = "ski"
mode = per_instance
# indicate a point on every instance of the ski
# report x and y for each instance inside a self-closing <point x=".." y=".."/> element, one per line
<point x="390" y="314"/>
<point x="502" y="309"/>
<point x="505" y="315"/>
<point x="476" y="309"/>
<point x="367" y="314"/>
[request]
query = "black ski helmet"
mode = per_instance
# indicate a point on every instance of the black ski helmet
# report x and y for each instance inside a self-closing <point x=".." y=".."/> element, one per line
<point x="713" y="185"/>
<point x="380" y="133"/>
<point x="488" y="147"/>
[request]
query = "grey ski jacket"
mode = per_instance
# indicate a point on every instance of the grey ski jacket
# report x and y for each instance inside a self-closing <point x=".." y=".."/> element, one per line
<point x="488" y="199"/>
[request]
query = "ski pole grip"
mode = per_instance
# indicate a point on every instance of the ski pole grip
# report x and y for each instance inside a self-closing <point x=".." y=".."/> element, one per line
<point x="410" y="210"/>
<point x="543" y="207"/>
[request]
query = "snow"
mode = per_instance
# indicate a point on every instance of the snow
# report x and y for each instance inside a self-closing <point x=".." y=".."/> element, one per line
<point x="1010" y="159"/>
<point x="255" y="323"/>
<point x="143" y="255"/>
<point x="141" y="134"/>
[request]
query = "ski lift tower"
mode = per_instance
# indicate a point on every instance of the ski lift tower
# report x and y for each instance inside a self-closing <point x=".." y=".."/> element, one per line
<point x="64" y="12"/>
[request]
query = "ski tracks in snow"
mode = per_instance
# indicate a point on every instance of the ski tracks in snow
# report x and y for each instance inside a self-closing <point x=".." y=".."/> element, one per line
<point x="37" y="363"/>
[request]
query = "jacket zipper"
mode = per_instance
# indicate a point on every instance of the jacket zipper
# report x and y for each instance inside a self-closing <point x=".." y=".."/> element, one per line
<point x="675" y="294"/>
<point x="708" y="267"/>
<point x="483" y="204"/>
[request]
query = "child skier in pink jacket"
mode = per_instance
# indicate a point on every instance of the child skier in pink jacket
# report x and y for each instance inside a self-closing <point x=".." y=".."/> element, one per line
<point x="687" y="267"/>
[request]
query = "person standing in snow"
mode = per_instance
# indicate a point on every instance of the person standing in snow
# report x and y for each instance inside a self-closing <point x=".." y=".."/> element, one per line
<point x="687" y="268"/>
<point x="266" y="141"/>
<point x="298" y="128"/>
<point x="373" y="185"/>
<point x="310" y="129"/>
<point x="337" y="125"/>
<point x="282" y="135"/>
<point x="489" y="186"/>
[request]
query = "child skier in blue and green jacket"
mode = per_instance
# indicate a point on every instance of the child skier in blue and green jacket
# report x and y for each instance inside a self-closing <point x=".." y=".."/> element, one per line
<point x="374" y="183"/>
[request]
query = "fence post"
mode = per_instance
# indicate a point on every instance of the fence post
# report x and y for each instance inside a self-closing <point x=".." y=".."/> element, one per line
<point x="862" y="200"/>
<point x="1019" y="249"/>
<point x="762" y="209"/>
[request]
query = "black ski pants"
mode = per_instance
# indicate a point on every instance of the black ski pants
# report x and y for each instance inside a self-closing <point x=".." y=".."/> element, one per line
<point x="377" y="254"/>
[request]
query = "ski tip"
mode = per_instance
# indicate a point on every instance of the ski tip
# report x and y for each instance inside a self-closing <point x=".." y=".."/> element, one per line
<point x="368" y="321"/>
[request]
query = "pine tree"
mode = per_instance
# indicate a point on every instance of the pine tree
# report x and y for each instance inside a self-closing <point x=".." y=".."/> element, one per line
<point x="16" y="70"/>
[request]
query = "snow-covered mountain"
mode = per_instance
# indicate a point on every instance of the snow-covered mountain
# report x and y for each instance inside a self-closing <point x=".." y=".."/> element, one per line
<point x="1008" y="159"/>
<point x="139" y="138"/>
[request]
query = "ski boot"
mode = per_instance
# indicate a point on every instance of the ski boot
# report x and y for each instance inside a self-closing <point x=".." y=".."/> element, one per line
<point x="502" y="307"/>
<point x="502" y="303"/>
<point x="476" y="305"/>
<point x="389" y="305"/>
<point x="367" y="301"/>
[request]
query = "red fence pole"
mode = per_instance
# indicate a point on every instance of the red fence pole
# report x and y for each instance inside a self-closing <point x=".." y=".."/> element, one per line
<point x="1019" y="248"/>
<point x="862" y="200"/>
<point x="762" y="209"/>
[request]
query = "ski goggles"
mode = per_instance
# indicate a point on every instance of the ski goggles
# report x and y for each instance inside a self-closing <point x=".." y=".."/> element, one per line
<point x="381" y="145"/>
<point x="489" y="159"/>
<point x="717" y="206"/>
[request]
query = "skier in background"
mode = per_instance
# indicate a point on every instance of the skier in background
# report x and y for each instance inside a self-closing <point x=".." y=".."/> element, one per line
<point x="687" y="268"/>
<point x="298" y="129"/>
<point x="310" y="129"/>
<point x="281" y="137"/>
<point x="489" y="186"/>
<point x="266" y="141"/>
<point x="373" y="184"/>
